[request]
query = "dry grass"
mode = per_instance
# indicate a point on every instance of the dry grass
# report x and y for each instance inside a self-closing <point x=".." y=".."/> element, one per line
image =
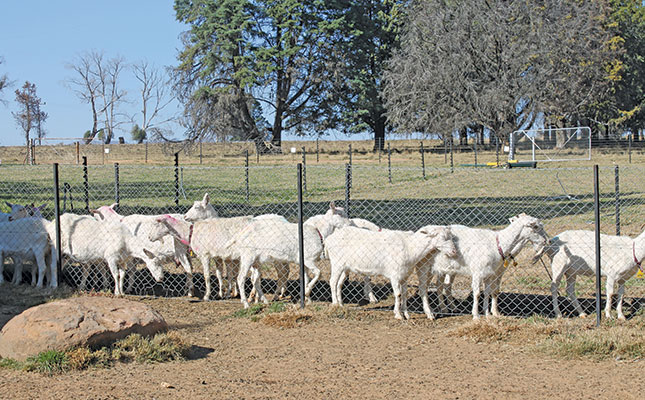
<point x="403" y="152"/>
<point x="162" y="347"/>
<point x="291" y="318"/>
<point x="566" y="338"/>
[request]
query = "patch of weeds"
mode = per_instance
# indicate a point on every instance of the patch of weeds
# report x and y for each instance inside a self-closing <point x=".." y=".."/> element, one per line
<point x="10" y="363"/>
<point x="160" y="348"/>
<point x="621" y="342"/>
<point x="485" y="330"/>
<point x="276" y="307"/>
<point x="537" y="319"/>
<point x="48" y="363"/>
<point x="336" y="312"/>
<point x="287" y="319"/>
<point x="253" y="310"/>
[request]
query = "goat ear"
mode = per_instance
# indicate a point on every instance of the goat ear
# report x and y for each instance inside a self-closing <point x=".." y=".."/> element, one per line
<point x="206" y="199"/>
<point x="42" y="206"/>
<point x="113" y="205"/>
<point x="8" y="204"/>
<point x="148" y="254"/>
<point x="332" y="205"/>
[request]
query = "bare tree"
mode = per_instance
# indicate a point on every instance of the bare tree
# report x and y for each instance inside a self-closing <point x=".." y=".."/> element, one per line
<point x="496" y="63"/>
<point x="4" y="83"/>
<point x="154" y="98"/>
<point x="29" y="116"/>
<point x="97" y="83"/>
<point x="111" y="94"/>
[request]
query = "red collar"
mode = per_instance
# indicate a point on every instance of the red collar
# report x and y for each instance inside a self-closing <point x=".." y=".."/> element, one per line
<point x="499" y="249"/>
<point x="320" y="235"/>
<point x="190" y="237"/>
<point x="640" y="268"/>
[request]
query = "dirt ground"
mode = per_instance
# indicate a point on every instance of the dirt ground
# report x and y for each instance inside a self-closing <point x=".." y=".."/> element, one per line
<point x="359" y="352"/>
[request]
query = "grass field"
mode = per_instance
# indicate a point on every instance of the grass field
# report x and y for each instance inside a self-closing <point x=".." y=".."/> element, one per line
<point x="400" y="197"/>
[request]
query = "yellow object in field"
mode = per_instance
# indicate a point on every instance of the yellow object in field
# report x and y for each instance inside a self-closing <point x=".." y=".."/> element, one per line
<point x="640" y="274"/>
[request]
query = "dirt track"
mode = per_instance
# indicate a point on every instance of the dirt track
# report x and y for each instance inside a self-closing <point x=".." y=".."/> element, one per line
<point x="365" y="354"/>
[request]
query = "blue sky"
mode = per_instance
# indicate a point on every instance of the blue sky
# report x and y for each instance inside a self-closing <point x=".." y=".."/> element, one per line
<point x="38" y="38"/>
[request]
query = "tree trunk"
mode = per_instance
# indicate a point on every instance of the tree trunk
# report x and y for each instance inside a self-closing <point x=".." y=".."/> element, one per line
<point x="379" y="137"/>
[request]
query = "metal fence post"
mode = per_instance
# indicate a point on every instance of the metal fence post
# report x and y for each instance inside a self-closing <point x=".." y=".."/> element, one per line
<point x="301" y="249"/>
<point x="177" y="181"/>
<point x="617" y="197"/>
<point x="57" y="223"/>
<point x="304" y="169"/>
<point x="423" y="160"/>
<point x="246" y="173"/>
<point x="200" y="152"/>
<point x="349" y="152"/>
<point x="630" y="147"/>
<point x="452" y="163"/>
<point x="389" y="163"/>
<point x="116" y="186"/>
<point x="317" y="151"/>
<point x="146" y="152"/>
<point x="596" y="203"/>
<point x="476" y="140"/>
<point x="348" y="187"/>
<point x="86" y="185"/>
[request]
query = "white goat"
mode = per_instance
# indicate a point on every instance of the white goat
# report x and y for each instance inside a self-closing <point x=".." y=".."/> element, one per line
<point x="17" y="212"/>
<point x="201" y="209"/>
<point x="86" y="240"/>
<point x="392" y="254"/>
<point x="207" y="239"/>
<point x="141" y="226"/>
<point x="483" y="254"/>
<point x="27" y="238"/>
<point x="274" y="241"/>
<point x="573" y="253"/>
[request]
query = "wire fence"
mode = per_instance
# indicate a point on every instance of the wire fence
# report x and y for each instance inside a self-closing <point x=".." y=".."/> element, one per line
<point x="478" y="203"/>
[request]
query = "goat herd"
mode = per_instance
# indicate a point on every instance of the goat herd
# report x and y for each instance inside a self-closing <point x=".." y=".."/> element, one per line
<point x="243" y="244"/>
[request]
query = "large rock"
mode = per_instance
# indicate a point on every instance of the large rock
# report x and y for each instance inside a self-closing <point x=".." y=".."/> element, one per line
<point x="80" y="321"/>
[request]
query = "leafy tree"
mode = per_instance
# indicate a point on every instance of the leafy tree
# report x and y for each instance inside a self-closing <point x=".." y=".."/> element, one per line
<point x="371" y="28"/>
<point x="30" y="116"/>
<point x="243" y="58"/>
<point x="138" y="134"/>
<point x="625" y="106"/>
<point x="497" y="63"/>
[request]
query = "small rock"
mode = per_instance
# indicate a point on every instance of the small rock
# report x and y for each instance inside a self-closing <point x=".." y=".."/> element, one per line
<point x="167" y="385"/>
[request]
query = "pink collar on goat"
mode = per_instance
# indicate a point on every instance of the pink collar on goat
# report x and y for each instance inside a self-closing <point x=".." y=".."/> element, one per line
<point x="190" y="237"/>
<point x="499" y="248"/>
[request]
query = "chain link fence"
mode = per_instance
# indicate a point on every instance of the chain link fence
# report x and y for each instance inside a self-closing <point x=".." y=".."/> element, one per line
<point x="395" y="198"/>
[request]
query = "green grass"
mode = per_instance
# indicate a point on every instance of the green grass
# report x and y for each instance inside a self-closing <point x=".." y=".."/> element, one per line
<point x="48" y="363"/>
<point x="162" y="347"/>
<point x="253" y="310"/>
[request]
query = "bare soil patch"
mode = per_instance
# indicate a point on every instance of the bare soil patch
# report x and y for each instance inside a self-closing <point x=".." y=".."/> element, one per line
<point x="325" y="352"/>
